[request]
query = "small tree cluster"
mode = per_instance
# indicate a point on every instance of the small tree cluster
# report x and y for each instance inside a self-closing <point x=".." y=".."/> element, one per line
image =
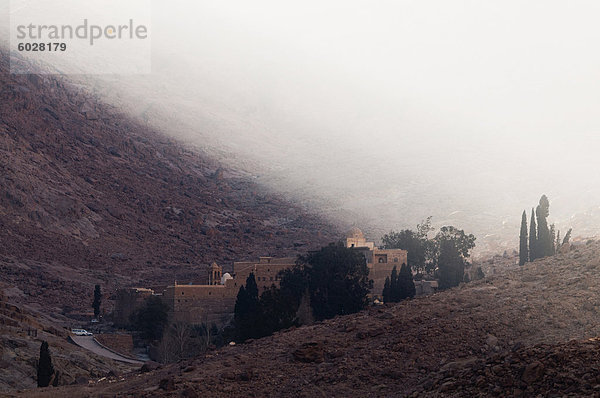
<point x="331" y="281"/>
<point x="445" y="255"/>
<point x="182" y="340"/>
<point x="399" y="286"/>
<point x="543" y="240"/>
<point x="256" y="316"/>
<point x="337" y="279"/>
<point x="453" y="247"/>
<point x="151" y="319"/>
<point x="416" y="243"/>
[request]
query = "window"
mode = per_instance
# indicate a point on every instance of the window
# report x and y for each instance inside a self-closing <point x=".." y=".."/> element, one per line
<point x="395" y="259"/>
<point x="182" y="293"/>
<point x="271" y="278"/>
<point x="381" y="260"/>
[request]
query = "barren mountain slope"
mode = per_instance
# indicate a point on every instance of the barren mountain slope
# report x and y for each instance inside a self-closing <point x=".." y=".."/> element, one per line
<point x="21" y="333"/>
<point x="422" y="346"/>
<point x="88" y="196"/>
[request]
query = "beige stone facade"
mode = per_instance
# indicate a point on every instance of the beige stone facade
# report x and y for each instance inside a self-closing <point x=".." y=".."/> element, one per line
<point x="266" y="271"/>
<point x="214" y="301"/>
<point x="197" y="304"/>
<point x="211" y="302"/>
<point x="380" y="262"/>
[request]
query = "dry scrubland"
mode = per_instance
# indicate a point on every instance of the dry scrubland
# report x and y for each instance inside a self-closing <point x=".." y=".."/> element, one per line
<point x="522" y="331"/>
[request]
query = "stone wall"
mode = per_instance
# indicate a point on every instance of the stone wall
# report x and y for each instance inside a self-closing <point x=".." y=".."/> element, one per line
<point x="197" y="304"/>
<point x="121" y="343"/>
<point x="266" y="271"/>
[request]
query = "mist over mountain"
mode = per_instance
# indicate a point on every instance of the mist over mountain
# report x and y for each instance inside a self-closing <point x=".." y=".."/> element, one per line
<point x="383" y="115"/>
<point x="264" y="131"/>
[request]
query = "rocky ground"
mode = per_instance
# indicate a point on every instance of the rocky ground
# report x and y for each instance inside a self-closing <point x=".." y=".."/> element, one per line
<point x="21" y="334"/>
<point x="522" y="331"/>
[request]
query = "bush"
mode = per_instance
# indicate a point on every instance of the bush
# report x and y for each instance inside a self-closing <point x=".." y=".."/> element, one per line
<point x="151" y="319"/>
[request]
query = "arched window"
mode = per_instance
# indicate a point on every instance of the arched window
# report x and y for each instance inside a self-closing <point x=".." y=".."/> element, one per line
<point x="395" y="259"/>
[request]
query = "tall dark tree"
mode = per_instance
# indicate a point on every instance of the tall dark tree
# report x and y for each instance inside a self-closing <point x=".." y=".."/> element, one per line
<point x="278" y="310"/>
<point x="399" y="285"/>
<point x="97" y="301"/>
<point x="45" y="370"/>
<point x="533" y="244"/>
<point x="451" y="266"/>
<point x="394" y="286"/>
<point x="151" y="319"/>
<point x="338" y="280"/>
<point x="523" y="248"/>
<point x="567" y="238"/>
<point x="544" y="238"/>
<point x="552" y="239"/>
<point x="414" y="242"/>
<point x="463" y="242"/>
<point x="454" y="247"/>
<point x="247" y="311"/>
<point x="406" y="282"/>
<point x="386" y="290"/>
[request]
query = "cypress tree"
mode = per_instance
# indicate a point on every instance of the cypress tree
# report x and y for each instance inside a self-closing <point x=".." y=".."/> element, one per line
<point x="45" y="370"/>
<point x="523" y="248"/>
<point x="394" y="296"/>
<point x="544" y="239"/>
<point x="533" y="252"/>
<point x="567" y="237"/>
<point x="247" y="311"/>
<point x="451" y="266"/>
<point x="405" y="283"/>
<point x="399" y="285"/>
<point x="386" y="290"/>
<point x="552" y="239"/>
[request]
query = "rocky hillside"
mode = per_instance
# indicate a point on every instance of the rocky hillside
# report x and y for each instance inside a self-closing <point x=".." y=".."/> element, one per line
<point x="507" y="334"/>
<point x="21" y="333"/>
<point x="88" y="196"/>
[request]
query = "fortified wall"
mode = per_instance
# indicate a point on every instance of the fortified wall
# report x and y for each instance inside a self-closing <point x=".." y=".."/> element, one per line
<point x="214" y="301"/>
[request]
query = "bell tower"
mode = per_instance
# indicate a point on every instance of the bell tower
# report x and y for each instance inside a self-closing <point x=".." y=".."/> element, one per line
<point x="214" y="274"/>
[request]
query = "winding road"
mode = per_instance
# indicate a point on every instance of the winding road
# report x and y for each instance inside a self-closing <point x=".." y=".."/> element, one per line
<point x="90" y="344"/>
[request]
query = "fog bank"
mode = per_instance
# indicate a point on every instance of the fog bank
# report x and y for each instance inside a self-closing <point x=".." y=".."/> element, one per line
<point x="381" y="114"/>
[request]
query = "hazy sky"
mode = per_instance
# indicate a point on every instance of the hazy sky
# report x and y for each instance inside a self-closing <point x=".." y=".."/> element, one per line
<point x="386" y="112"/>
